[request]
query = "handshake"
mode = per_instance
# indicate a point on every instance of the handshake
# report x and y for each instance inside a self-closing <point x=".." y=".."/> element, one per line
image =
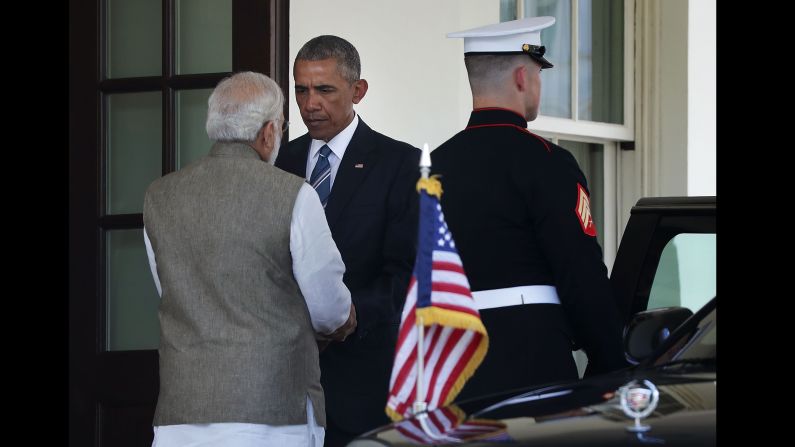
<point x="340" y="333"/>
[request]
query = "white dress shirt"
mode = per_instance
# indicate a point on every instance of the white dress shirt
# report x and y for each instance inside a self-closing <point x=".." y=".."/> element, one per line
<point x="318" y="270"/>
<point x="338" y="144"/>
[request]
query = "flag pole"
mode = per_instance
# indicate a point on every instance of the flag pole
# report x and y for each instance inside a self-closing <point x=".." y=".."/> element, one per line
<point x="420" y="406"/>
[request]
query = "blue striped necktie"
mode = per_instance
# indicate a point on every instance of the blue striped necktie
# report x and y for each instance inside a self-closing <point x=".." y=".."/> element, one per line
<point x="321" y="175"/>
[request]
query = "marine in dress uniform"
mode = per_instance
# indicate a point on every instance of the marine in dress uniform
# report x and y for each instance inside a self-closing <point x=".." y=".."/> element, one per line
<point x="518" y="206"/>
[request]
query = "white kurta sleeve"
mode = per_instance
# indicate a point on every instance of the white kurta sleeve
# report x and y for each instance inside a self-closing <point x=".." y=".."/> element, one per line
<point x="152" y="263"/>
<point x="317" y="263"/>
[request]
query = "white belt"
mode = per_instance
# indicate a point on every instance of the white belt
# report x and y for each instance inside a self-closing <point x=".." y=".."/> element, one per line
<point x="515" y="296"/>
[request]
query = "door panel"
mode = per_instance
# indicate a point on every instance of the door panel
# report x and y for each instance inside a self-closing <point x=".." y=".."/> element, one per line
<point x="653" y="223"/>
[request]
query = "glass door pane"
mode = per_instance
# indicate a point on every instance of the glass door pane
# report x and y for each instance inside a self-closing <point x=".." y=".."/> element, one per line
<point x="204" y="36"/>
<point x="507" y="10"/>
<point x="601" y="61"/>
<point x="132" y="296"/>
<point x="192" y="140"/>
<point x="134" y="44"/>
<point x="134" y="149"/>
<point x="556" y="81"/>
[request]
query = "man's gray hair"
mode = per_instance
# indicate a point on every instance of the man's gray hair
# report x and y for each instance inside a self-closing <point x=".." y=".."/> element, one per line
<point x="241" y="104"/>
<point x="326" y="47"/>
<point x="488" y="72"/>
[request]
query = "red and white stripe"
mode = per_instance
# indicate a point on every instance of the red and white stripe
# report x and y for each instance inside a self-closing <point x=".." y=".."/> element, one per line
<point x="447" y="349"/>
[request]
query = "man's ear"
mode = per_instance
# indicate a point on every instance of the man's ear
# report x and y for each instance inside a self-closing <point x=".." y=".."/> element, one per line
<point x="266" y="133"/>
<point x="520" y="78"/>
<point x="265" y="140"/>
<point x="359" y="90"/>
<point x="269" y="132"/>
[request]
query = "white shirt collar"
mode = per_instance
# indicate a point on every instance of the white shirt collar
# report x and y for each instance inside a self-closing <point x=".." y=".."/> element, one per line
<point x="339" y="143"/>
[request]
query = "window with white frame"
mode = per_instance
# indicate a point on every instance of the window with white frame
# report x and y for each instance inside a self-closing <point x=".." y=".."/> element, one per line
<point x="586" y="98"/>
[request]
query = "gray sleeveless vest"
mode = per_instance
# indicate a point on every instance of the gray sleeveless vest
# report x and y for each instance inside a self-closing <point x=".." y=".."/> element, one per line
<point x="236" y="339"/>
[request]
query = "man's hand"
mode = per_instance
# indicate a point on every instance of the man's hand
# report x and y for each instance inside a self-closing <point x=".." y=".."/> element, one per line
<point x="346" y="329"/>
<point x="323" y="340"/>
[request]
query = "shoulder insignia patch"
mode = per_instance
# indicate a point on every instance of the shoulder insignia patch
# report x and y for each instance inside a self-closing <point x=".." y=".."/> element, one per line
<point x="583" y="211"/>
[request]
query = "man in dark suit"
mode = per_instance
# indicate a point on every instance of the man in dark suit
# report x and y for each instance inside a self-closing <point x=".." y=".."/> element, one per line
<point x="366" y="182"/>
<point x="519" y="208"/>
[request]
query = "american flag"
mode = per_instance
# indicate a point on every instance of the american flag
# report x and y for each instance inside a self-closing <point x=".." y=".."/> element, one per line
<point x="448" y="426"/>
<point x="455" y="340"/>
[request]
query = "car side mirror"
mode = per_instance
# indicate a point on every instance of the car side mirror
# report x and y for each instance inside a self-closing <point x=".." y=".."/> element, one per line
<point x="647" y="330"/>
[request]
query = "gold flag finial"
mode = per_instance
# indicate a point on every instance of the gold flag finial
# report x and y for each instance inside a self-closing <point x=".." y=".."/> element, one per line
<point x="431" y="185"/>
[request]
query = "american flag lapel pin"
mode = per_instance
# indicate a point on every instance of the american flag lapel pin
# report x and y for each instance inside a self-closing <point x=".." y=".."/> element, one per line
<point x="358" y="165"/>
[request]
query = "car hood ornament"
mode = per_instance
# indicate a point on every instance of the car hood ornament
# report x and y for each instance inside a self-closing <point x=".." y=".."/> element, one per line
<point x="638" y="400"/>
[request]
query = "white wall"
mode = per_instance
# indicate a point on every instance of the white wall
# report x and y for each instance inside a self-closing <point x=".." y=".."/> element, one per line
<point x="418" y="89"/>
<point x="701" y="98"/>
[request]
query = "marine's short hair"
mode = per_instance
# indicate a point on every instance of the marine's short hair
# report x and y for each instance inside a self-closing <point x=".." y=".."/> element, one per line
<point x="487" y="71"/>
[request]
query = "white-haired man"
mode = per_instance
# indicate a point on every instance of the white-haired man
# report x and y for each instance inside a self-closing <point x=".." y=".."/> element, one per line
<point x="250" y="277"/>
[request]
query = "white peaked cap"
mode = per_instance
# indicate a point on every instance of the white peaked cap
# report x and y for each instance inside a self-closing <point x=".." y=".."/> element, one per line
<point x="513" y="37"/>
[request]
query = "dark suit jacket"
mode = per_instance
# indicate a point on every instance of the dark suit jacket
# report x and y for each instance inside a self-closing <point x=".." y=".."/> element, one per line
<point x="372" y="212"/>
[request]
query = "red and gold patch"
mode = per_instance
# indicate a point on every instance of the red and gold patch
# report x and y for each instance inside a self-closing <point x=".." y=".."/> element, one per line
<point x="583" y="211"/>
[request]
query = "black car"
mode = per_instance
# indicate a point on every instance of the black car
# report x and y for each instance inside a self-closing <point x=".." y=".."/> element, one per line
<point x="664" y="268"/>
